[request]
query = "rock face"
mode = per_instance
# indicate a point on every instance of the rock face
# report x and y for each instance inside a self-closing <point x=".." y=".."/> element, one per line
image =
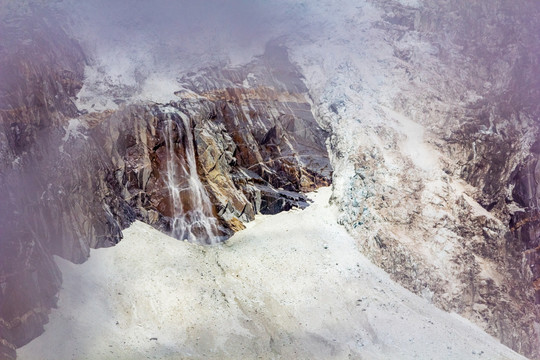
<point x="40" y="68"/>
<point x="262" y="118"/>
<point x="433" y="114"/>
<point x="73" y="181"/>
<point x="488" y="139"/>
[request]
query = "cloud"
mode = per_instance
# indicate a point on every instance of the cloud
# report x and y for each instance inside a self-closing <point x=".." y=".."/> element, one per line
<point x="129" y="42"/>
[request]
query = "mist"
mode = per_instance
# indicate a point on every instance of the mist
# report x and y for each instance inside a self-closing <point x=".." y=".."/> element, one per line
<point x="432" y="116"/>
<point x="139" y="48"/>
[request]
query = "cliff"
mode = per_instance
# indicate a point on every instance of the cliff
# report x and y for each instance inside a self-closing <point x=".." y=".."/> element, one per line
<point x="431" y="114"/>
<point x="196" y="168"/>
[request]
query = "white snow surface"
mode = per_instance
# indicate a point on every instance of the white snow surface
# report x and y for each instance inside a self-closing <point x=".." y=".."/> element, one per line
<point x="291" y="286"/>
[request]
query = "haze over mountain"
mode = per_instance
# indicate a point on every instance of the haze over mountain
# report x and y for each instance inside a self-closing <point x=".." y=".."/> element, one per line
<point x="194" y="118"/>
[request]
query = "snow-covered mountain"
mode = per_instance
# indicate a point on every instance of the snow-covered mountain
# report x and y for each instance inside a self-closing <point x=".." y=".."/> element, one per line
<point x="192" y="118"/>
<point x="291" y="286"/>
<point x="434" y="111"/>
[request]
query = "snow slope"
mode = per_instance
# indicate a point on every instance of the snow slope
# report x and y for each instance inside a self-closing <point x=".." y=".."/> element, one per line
<point x="293" y="285"/>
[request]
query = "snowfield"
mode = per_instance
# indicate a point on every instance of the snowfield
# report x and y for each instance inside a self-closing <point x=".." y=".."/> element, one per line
<point x="290" y="286"/>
